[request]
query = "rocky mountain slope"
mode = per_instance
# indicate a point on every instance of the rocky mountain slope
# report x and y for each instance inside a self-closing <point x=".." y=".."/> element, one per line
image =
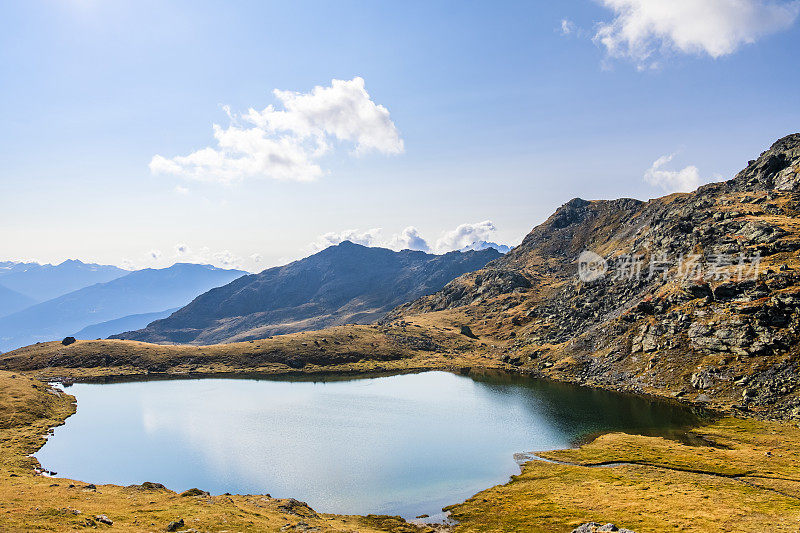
<point x="347" y="283"/>
<point x="143" y="291"/>
<point x="695" y="295"/>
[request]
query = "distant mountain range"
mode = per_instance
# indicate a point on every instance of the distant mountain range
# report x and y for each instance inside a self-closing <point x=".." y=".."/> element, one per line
<point x="127" y="323"/>
<point x="141" y="292"/>
<point x="12" y="301"/>
<point x="347" y="283"/>
<point x="45" y="282"/>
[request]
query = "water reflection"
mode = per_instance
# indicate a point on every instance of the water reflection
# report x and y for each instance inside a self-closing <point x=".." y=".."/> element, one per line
<point x="406" y="444"/>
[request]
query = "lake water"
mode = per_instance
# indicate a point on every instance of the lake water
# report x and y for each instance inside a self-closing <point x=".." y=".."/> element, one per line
<point x="406" y="444"/>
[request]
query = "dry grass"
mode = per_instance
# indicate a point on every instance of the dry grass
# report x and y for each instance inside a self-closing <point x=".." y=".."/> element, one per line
<point x="344" y="349"/>
<point x="750" y="482"/>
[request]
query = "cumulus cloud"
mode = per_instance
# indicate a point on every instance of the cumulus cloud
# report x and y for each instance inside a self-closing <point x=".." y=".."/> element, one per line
<point x="464" y="237"/>
<point x="567" y="27"/>
<point x="370" y="237"/>
<point x="409" y="239"/>
<point x="642" y="29"/>
<point x="685" y="180"/>
<point x="287" y="143"/>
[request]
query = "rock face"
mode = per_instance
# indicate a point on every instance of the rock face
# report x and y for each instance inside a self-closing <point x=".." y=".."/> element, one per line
<point x="699" y="296"/>
<point x="344" y="284"/>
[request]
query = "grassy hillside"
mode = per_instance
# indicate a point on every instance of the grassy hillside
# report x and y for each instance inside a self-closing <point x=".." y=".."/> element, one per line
<point x="399" y="347"/>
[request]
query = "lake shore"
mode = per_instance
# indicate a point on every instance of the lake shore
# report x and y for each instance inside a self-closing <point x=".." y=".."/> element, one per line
<point x="414" y="344"/>
<point x="748" y="481"/>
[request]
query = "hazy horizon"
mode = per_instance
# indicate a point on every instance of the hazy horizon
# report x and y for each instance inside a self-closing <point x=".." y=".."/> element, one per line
<point x="248" y="135"/>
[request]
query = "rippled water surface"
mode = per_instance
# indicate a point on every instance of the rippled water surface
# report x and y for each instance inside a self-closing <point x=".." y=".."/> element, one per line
<point x="406" y="444"/>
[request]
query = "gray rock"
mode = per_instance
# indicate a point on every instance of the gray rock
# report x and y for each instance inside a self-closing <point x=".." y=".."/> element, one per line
<point x="704" y="379"/>
<point x="103" y="519"/>
<point x="467" y="332"/>
<point x="176" y="525"/>
<point x="594" y="527"/>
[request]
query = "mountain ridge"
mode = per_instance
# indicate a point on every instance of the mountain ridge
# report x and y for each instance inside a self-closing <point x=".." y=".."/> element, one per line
<point x="726" y="333"/>
<point x="142" y="291"/>
<point x="345" y="283"/>
<point x="12" y="301"/>
<point x="43" y="282"/>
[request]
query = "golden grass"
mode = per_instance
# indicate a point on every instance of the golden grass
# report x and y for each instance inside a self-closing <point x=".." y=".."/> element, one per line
<point x="749" y="482"/>
<point x="344" y="349"/>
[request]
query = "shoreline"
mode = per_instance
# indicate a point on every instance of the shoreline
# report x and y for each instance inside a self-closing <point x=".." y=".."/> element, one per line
<point x="461" y="512"/>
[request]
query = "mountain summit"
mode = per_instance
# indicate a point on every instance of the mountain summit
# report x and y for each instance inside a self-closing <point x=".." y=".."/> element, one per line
<point x="346" y="283"/>
<point x="694" y="294"/>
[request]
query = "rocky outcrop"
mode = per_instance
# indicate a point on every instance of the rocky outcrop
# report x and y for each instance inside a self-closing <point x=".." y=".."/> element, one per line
<point x="698" y="298"/>
<point x="777" y="168"/>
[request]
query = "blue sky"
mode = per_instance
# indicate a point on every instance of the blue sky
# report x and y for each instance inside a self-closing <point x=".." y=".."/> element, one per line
<point x="502" y="111"/>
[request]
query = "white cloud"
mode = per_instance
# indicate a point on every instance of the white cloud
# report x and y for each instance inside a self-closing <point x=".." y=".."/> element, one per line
<point x="179" y="189"/>
<point x="287" y="143"/>
<point x="182" y="253"/>
<point x="685" y="180"/>
<point x="371" y="237"/>
<point x="642" y="29"/>
<point x="206" y="256"/>
<point x="409" y="239"/>
<point x="567" y="27"/>
<point x="465" y="236"/>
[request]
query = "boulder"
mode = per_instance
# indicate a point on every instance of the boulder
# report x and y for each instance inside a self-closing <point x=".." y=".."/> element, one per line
<point x="594" y="527"/>
<point x="103" y="519"/>
<point x="176" y="525"/>
<point x="467" y="332"/>
<point x="68" y="340"/>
